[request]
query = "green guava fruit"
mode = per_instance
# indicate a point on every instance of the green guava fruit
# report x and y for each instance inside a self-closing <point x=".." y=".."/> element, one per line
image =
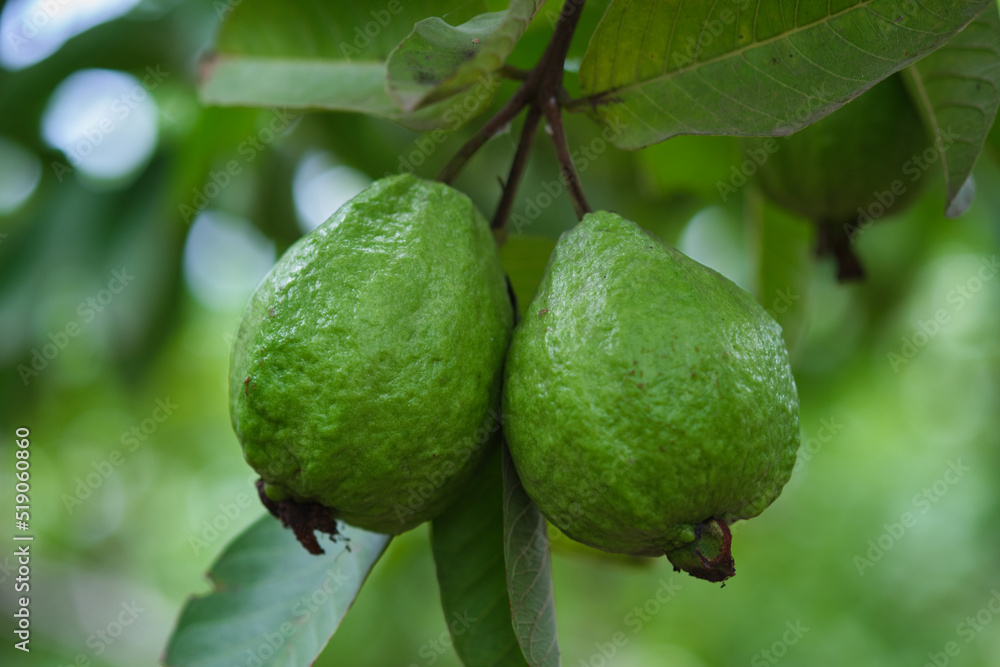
<point x="855" y="166"/>
<point x="365" y="377"/>
<point x="648" y="401"/>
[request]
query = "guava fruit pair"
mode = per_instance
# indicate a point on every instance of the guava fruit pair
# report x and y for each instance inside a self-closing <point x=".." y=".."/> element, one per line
<point x="647" y="401"/>
<point x="849" y="169"/>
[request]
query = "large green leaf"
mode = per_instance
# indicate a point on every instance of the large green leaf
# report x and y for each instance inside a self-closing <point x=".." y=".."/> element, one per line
<point x="958" y="91"/>
<point x="529" y="571"/>
<point x="308" y="54"/>
<point x="437" y="60"/>
<point x="215" y="138"/>
<point x="468" y="551"/>
<point x="659" y="68"/>
<point x="993" y="142"/>
<point x="274" y="604"/>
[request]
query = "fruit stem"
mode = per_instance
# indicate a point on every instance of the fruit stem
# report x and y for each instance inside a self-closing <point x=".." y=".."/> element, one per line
<point x="304" y="519"/>
<point x="553" y="116"/>
<point x="492" y="126"/>
<point x="542" y="92"/>
<point x="833" y="239"/>
<point x="710" y="556"/>
<point x="517" y="168"/>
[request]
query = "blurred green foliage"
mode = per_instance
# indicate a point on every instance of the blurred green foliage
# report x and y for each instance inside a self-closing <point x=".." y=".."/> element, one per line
<point x="833" y="574"/>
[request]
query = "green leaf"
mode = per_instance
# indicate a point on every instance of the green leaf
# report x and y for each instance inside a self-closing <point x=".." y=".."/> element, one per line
<point x="993" y="142"/>
<point x="468" y="551"/>
<point x="656" y="69"/>
<point x="304" y="54"/>
<point x="264" y="82"/>
<point x="962" y="199"/>
<point x="214" y="139"/>
<point x="957" y="89"/>
<point x="529" y="571"/>
<point x="273" y="601"/>
<point x="781" y="247"/>
<point x="438" y="60"/>
<point x="524" y="259"/>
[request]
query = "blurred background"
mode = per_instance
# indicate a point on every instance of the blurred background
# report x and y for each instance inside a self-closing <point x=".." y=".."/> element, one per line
<point x="135" y="223"/>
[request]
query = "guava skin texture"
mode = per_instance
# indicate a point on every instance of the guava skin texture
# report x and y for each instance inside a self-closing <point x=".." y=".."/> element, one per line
<point x="366" y="372"/>
<point x="830" y="169"/>
<point x="849" y="169"/>
<point x="647" y="399"/>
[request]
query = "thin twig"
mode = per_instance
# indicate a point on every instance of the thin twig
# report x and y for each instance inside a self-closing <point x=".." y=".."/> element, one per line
<point x="542" y="92"/>
<point x="553" y="116"/>
<point x="584" y="104"/>
<point x="514" y="73"/>
<point x="550" y="67"/>
<point x="517" y="168"/>
<point x="485" y="133"/>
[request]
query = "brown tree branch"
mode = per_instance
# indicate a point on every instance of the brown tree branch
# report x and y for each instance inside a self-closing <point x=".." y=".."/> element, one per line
<point x="517" y="168"/>
<point x="485" y="133"/>
<point x="553" y="116"/>
<point x="542" y="92"/>
<point x="514" y="73"/>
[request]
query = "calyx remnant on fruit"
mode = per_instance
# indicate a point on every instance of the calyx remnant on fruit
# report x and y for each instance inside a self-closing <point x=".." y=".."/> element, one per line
<point x="648" y="401"/>
<point x="857" y="165"/>
<point x="365" y="377"/>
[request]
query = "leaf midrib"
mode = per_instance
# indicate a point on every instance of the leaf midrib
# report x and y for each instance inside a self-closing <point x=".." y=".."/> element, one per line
<point x="638" y="84"/>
